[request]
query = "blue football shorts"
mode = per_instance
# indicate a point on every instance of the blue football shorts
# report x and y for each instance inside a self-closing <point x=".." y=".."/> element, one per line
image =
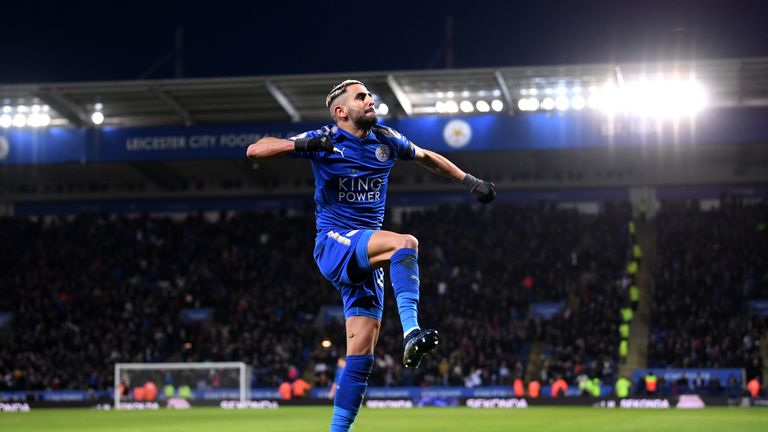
<point x="342" y="256"/>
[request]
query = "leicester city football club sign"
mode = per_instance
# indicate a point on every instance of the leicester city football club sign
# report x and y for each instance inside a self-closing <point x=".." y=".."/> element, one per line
<point x="457" y="133"/>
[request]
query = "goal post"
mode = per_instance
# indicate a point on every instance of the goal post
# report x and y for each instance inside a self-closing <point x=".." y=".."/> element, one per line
<point x="200" y="382"/>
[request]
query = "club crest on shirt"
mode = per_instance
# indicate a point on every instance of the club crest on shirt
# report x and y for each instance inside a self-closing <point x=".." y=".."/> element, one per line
<point x="382" y="153"/>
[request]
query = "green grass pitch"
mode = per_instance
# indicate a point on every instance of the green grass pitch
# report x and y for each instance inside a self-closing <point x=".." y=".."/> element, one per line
<point x="306" y="419"/>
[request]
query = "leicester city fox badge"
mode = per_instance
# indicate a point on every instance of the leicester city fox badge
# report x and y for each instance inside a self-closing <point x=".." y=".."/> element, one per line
<point x="382" y="153"/>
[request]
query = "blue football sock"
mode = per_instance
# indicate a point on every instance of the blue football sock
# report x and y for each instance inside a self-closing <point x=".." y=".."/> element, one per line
<point x="350" y="390"/>
<point x="404" y="272"/>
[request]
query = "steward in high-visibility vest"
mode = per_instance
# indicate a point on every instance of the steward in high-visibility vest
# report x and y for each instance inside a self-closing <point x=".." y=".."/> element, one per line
<point x="169" y="391"/>
<point x="637" y="252"/>
<point x="623" y="350"/>
<point x="622" y="387"/>
<point x="632" y="228"/>
<point x="632" y="268"/>
<point x="624" y="330"/>
<point x="534" y="389"/>
<point x="634" y="296"/>
<point x="559" y="388"/>
<point x="650" y="383"/>
<point x="518" y="387"/>
<point x="627" y="314"/>
<point x="596" y="387"/>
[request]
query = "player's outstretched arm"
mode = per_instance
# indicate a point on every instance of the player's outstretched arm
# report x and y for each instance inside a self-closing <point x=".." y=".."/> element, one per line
<point x="484" y="191"/>
<point x="269" y="147"/>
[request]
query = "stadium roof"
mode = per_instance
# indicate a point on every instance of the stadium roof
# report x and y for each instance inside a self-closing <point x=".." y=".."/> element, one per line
<point x="266" y="99"/>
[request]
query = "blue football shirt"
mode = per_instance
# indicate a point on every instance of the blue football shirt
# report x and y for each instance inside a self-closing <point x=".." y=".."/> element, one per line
<point x="351" y="182"/>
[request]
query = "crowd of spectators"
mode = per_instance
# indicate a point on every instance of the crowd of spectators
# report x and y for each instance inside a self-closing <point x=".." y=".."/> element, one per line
<point x="88" y="292"/>
<point x="711" y="264"/>
<point x="582" y="341"/>
<point x="92" y="290"/>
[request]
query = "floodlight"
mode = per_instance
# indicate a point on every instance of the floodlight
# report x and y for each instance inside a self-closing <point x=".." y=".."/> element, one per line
<point x="577" y="102"/>
<point x="97" y="118"/>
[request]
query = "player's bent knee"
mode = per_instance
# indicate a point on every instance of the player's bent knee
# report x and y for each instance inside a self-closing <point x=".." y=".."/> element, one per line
<point x="408" y="241"/>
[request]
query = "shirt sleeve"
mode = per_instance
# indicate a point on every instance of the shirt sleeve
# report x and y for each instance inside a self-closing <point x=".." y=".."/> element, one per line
<point x="404" y="148"/>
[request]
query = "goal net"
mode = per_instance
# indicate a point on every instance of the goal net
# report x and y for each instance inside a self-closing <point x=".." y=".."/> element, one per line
<point x="180" y="385"/>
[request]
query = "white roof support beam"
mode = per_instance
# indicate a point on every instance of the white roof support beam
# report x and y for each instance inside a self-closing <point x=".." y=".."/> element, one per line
<point x="283" y="101"/>
<point x="505" y="91"/>
<point x="184" y="114"/>
<point x="64" y="107"/>
<point x="402" y="98"/>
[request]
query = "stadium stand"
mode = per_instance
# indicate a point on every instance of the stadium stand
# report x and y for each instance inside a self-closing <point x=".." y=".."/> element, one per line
<point x="115" y="288"/>
<point x="582" y="341"/>
<point x="711" y="265"/>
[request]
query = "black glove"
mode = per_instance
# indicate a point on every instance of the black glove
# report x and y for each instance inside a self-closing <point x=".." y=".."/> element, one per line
<point x="319" y="143"/>
<point x="484" y="191"/>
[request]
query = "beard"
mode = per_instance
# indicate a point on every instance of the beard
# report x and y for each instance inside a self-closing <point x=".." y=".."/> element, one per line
<point x="366" y="122"/>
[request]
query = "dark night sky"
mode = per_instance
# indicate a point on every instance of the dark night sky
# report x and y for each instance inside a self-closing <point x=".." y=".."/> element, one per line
<point x="87" y="41"/>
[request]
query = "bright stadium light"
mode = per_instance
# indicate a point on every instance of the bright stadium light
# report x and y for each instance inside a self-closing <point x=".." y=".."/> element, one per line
<point x="576" y="90"/>
<point x="533" y="104"/>
<point x="533" y="92"/>
<point x="6" y="121"/>
<point x="451" y="107"/>
<point x="449" y="94"/>
<point x="440" y="107"/>
<point x="97" y="118"/>
<point x="7" y="109"/>
<point x="465" y="93"/>
<point x="681" y="98"/>
<point x="34" y="119"/>
<point x="562" y="103"/>
<point x="548" y="103"/>
<point x="577" y="102"/>
<point x="611" y="99"/>
<point x="593" y="101"/>
<point x="657" y="98"/>
<point x="466" y="106"/>
<point x="522" y="104"/>
<point x="19" y="120"/>
<point x="45" y="120"/>
<point x="497" y="105"/>
<point x="383" y="109"/>
<point x="482" y="106"/>
<point x="326" y="343"/>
